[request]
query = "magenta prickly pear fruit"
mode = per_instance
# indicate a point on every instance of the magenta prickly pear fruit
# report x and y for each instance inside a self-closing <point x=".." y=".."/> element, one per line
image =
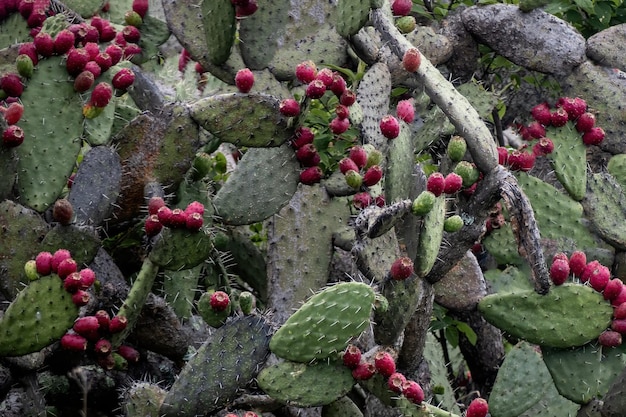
<point x="12" y="85"/>
<point x="87" y="326"/>
<point x="600" y="276"/>
<point x="244" y="80"/>
<point x="87" y="278"/>
<point x="411" y="60"/>
<point x="452" y="183"/>
<point x="84" y="81"/>
<point x="102" y="347"/>
<point x="559" y="271"/>
<point x="352" y="356"/>
<point x="25" y="8"/>
<point x="93" y="67"/>
<point x="347" y="98"/>
<point x="339" y="125"/>
<point x="613" y="290"/>
<point x="101" y="94"/>
<point x="545" y="146"/>
<point x="219" y="301"/>
<point x="131" y="34"/>
<point x="619" y="326"/>
<point x="610" y="338"/>
<point x="71" y="283"/>
<point x="593" y="136"/>
<point x="103" y="318"/>
<point x="620" y="312"/>
<point x="477" y="408"/>
<point x="585" y="122"/>
<point x="289" y="107"/>
<point x="315" y="89"/>
<point x="503" y="155"/>
<point x="13" y="136"/>
<point x="401" y="269"/>
<point x="342" y="112"/>
<point x="153" y="226"/>
<point x="363" y="371"/>
<point x="117" y="324"/>
<point x="115" y="52"/>
<point x="178" y="219"/>
<point x="311" y="175"/>
<point x="43" y="262"/>
<point x="66" y="267"/>
<point x="406" y="111"/>
<point x="389" y="127"/>
<point x="384" y="363"/>
<point x="77" y="58"/>
<point x="362" y="200"/>
<point x="401" y="7"/>
<point x="588" y="270"/>
<point x="542" y="114"/>
<point x="63" y="41"/>
<point x="13" y="113"/>
<point x="435" y="183"/>
<point x="306" y="71"/>
<point x="194" y="221"/>
<point x="104" y="61"/>
<point x="73" y="341"/>
<point x="347" y="164"/>
<point x="326" y="75"/>
<point x="358" y="155"/>
<point x="577" y="263"/>
<point x="81" y="298"/>
<point x="307" y="155"/>
<point x="154" y="204"/>
<point x="521" y="161"/>
<point x="574" y="107"/>
<point x="338" y="86"/>
<point x="372" y="176"/>
<point x="129" y="353"/>
<point x="395" y="382"/>
<point x="164" y="214"/>
<point x="140" y="7"/>
<point x="44" y="44"/>
<point x="123" y="79"/>
<point x="536" y="130"/>
<point x="413" y="392"/>
<point x="59" y="256"/>
<point x="621" y="297"/>
<point x="303" y="136"/>
<point x="559" y="117"/>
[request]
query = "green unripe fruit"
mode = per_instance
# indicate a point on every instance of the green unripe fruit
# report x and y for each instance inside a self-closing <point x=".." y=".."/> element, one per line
<point x="423" y="203"/>
<point x="133" y="18"/>
<point x="468" y="172"/>
<point x="202" y="164"/>
<point x="453" y="224"/>
<point x="30" y="268"/>
<point x="381" y="304"/>
<point x="25" y="66"/>
<point x="354" y="179"/>
<point x="406" y="24"/>
<point x="456" y="148"/>
<point x="246" y="302"/>
<point x="374" y="156"/>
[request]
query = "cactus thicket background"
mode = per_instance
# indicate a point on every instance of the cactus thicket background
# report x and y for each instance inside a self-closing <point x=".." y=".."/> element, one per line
<point x="347" y="208"/>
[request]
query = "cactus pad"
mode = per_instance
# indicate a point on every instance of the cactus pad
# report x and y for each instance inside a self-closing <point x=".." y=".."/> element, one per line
<point x="39" y="315"/>
<point x="325" y="323"/>
<point x="430" y="237"/>
<point x="569" y="315"/>
<point x="605" y="206"/>
<point x="180" y="249"/>
<point x="617" y="168"/>
<point x="306" y="385"/>
<point x="343" y="407"/>
<point x="569" y="159"/>
<point x="218" y="18"/>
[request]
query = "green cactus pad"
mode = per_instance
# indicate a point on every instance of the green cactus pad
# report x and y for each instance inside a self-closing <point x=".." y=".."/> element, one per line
<point x="98" y="129"/>
<point x="512" y="279"/>
<point x="617" y="168"/>
<point x="552" y="404"/>
<point x="324" y="325"/>
<point x="403" y="296"/>
<point x="83" y="242"/>
<point x="179" y="288"/>
<point x="569" y="159"/>
<point x="85" y="8"/>
<point x="243" y="119"/>
<point x="569" y="315"/>
<point x="154" y="32"/>
<point x="430" y="237"/>
<point x="264" y="181"/>
<point x="342" y="407"/>
<point x="351" y="16"/>
<point x="373" y="97"/>
<point x="585" y="372"/>
<point x="605" y="206"/>
<point x="143" y="399"/>
<point x="53" y="124"/>
<point x="218" y="18"/>
<point x="14" y="30"/>
<point x="39" y="315"/>
<point x="226" y="362"/>
<point x="521" y="382"/>
<point x="180" y="248"/>
<point x="399" y="173"/>
<point x="306" y="385"/>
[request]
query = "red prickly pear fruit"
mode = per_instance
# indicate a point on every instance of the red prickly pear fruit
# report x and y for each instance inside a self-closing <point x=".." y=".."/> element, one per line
<point x="140" y="7"/>
<point x="153" y="226"/>
<point x="542" y="114"/>
<point x="559" y="271"/>
<point x="102" y="347"/>
<point x="384" y="363"/>
<point x="477" y="408"/>
<point x="619" y="326"/>
<point x="104" y="61"/>
<point x="219" y="301"/>
<point x="536" y="130"/>
<point x="342" y="112"/>
<point x="64" y="41"/>
<point x="589" y="268"/>
<point x="13" y="113"/>
<point x="413" y="392"/>
<point x="411" y="60"/>
<point x="585" y="122"/>
<point x="25" y="8"/>
<point x="306" y="155"/>
<point x="195" y="207"/>
<point x="115" y="52"/>
<point x="13" y="136"/>
<point x="347" y="98"/>
<point x="71" y="283"/>
<point x="401" y="7"/>
<point x="306" y="71"/>
<point x="503" y="155"/>
<point x="66" y="267"/>
<point x="347" y="164"/>
<point x="244" y="80"/>
<point x="131" y="34"/>
<point x="87" y="326"/>
<point x="621" y="297"/>
<point x="101" y="94"/>
<point x="59" y="256"/>
<point x="119" y="40"/>
<point x="359" y="155"/>
<point x="164" y="214"/>
<point x="73" y="341"/>
<point x="194" y="221"/>
<point x="620" y="312"/>
<point x="77" y="58"/>
<point x="401" y="269"/>
<point x="389" y="127"/>
<point x="117" y="324"/>
<point x="123" y="79"/>
<point x="315" y="89"/>
<point x="103" y="319"/>
<point x="559" y="117"/>
<point x="43" y="262"/>
<point x="303" y="136"/>
<point x="80" y="298"/>
<point x="36" y="18"/>
<point x="613" y="290"/>
<point x="545" y="146"/>
<point x="130" y="50"/>
<point x="92" y="49"/>
<point x="326" y="76"/>
<point x="574" y="107"/>
<point x="246" y="10"/>
<point x="372" y="175"/>
<point x="311" y="175"/>
<point x="436" y="183"/>
<point x="406" y="111"/>
<point x="362" y="200"/>
<point x="44" y="44"/>
<point x="395" y="382"/>
<point x="452" y="183"/>
<point x="84" y="81"/>
<point x="87" y="278"/>
<point x="593" y="136"/>
<point x="600" y="276"/>
<point x="610" y="338"/>
<point x="129" y="353"/>
<point x="379" y="201"/>
<point x="352" y="357"/>
<point x="577" y="263"/>
<point x="178" y="219"/>
<point x="521" y="161"/>
<point x="363" y="371"/>
<point x="154" y="204"/>
<point x="338" y="86"/>
<point x="63" y="212"/>
<point x="12" y="85"/>
<point x="339" y="125"/>
<point x="289" y="107"/>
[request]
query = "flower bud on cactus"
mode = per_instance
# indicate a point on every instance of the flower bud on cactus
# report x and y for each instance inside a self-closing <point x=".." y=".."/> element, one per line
<point x="477" y="408"/>
<point x="401" y="269"/>
<point x="352" y="357"/>
<point x="246" y="302"/>
<point x="244" y="80"/>
<point x="411" y="60"/>
<point x="395" y="382"/>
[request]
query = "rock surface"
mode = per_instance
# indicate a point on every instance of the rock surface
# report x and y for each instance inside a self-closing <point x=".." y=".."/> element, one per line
<point x="607" y="47"/>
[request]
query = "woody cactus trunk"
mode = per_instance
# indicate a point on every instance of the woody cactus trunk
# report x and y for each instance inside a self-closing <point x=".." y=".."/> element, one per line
<point x="313" y="220"/>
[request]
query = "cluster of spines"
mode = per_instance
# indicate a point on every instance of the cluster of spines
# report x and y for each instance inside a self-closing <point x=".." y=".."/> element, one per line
<point x="598" y="277"/>
<point x="159" y="216"/>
